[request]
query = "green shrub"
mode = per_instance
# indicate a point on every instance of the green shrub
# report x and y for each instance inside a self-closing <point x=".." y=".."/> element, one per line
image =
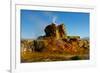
<point x="75" y="58"/>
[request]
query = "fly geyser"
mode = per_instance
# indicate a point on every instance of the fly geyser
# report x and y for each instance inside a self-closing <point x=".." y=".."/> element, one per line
<point x="55" y="31"/>
<point x="55" y="45"/>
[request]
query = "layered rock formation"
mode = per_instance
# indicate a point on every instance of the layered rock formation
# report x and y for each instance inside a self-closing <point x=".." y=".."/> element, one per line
<point x="56" y="40"/>
<point x="55" y="45"/>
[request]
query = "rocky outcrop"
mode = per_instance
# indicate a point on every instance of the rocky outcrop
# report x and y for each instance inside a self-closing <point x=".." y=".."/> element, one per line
<point x="61" y="31"/>
<point x="56" y="40"/>
<point x="54" y="31"/>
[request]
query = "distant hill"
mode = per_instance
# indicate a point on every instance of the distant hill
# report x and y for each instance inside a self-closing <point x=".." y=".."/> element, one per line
<point x="86" y="38"/>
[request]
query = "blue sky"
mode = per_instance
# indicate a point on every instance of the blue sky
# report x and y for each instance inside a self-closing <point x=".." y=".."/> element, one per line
<point x="33" y="22"/>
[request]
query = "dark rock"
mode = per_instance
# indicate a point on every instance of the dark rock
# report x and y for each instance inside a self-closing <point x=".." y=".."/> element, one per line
<point x="50" y="30"/>
<point x="39" y="45"/>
